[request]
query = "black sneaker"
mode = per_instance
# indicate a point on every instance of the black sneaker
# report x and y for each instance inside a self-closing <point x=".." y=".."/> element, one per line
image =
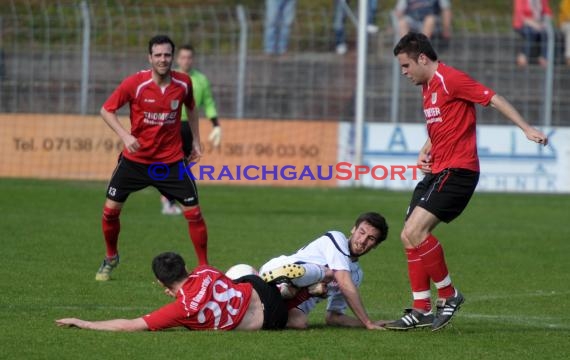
<point x="412" y="319"/>
<point x="446" y="308"/>
<point x="284" y="273"/>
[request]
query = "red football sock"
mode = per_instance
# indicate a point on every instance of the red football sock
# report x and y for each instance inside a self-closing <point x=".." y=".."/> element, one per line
<point x="111" y="227"/>
<point x="198" y="234"/>
<point x="302" y="296"/>
<point x="419" y="281"/>
<point x="431" y="253"/>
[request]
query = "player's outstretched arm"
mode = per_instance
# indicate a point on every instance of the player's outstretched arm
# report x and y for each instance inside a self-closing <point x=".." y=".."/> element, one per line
<point x="137" y="324"/>
<point x="131" y="143"/>
<point x="509" y="111"/>
<point x="350" y="293"/>
<point x="334" y="318"/>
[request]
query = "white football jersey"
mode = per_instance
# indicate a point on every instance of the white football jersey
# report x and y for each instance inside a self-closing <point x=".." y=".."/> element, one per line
<point x="327" y="251"/>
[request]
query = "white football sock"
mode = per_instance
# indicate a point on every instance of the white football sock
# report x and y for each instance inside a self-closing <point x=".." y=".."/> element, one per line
<point x="313" y="274"/>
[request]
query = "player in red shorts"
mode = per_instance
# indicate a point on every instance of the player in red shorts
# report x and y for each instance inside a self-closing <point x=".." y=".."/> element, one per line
<point x="205" y="300"/>
<point x="451" y="166"/>
<point x="153" y="148"/>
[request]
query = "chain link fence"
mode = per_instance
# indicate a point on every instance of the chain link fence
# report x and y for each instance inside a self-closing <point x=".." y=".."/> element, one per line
<point x="41" y="61"/>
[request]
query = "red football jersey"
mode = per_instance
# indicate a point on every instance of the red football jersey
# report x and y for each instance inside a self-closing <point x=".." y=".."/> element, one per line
<point x="208" y="300"/>
<point x="155" y="114"/>
<point x="449" y="107"/>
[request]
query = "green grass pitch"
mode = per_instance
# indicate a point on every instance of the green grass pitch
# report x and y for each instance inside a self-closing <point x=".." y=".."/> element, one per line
<point x="508" y="254"/>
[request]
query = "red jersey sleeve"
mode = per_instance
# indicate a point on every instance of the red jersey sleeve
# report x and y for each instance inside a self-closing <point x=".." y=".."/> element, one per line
<point x="119" y="97"/>
<point x="166" y="317"/>
<point x="462" y="86"/>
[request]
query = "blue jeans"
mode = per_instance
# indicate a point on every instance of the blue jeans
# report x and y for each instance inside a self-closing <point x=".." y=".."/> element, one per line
<point x="530" y="38"/>
<point x="279" y="15"/>
<point x="340" y="15"/>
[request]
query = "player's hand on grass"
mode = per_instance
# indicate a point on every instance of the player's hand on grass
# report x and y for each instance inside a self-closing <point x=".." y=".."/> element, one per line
<point x="215" y="136"/>
<point x="372" y="325"/>
<point x="70" y="322"/>
<point x="424" y="163"/>
<point x="536" y="135"/>
<point x="131" y="143"/>
<point x="382" y="323"/>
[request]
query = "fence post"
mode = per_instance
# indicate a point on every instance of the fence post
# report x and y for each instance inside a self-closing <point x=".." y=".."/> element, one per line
<point x="242" y="58"/>
<point x="85" y="56"/>
<point x="360" y="84"/>
<point x="395" y="99"/>
<point x="2" y="70"/>
<point x="1" y="50"/>
<point x="548" y="79"/>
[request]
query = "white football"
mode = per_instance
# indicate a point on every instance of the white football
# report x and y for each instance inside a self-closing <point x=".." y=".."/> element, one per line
<point x="239" y="270"/>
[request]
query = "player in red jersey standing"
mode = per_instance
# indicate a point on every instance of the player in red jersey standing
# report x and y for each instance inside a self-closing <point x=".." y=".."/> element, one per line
<point x="153" y="148"/>
<point x="451" y="166"/>
<point x="205" y="300"/>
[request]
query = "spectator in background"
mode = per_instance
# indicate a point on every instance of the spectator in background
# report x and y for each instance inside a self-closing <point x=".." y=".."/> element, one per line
<point x="279" y="15"/>
<point x="371" y="26"/>
<point x="529" y="21"/>
<point x="423" y="16"/>
<point x="340" y="8"/>
<point x="564" y="19"/>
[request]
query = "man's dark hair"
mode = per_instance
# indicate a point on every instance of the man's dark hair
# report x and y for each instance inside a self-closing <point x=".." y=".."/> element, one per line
<point x="160" y="39"/>
<point x="169" y="268"/>
<point x="413" y="44"/>
<point x="377" y="221"/>
<point x="188" y="47"/>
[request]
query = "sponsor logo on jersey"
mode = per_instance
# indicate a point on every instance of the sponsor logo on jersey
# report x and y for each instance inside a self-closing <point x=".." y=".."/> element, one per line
<point x="153" y="118"/>
<point x="433" y="114"/>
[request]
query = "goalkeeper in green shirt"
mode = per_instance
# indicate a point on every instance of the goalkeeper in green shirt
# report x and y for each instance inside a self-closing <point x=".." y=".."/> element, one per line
<point x="204" y="100"/>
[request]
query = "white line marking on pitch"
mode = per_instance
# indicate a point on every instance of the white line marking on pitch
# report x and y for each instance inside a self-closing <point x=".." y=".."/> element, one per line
<point x="542" y="322"/>
<point x="538" y="293"/>
<point x="534" y="321"/>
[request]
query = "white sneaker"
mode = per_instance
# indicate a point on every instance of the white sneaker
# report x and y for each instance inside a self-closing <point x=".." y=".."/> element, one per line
<point x="171" y="209"/>
<point x="168" y="207"/>
<point x="372" y="29"/>
<point x="341" y="49"/>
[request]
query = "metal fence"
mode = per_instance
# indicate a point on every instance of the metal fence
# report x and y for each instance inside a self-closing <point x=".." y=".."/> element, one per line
<point x="41" y="61"/>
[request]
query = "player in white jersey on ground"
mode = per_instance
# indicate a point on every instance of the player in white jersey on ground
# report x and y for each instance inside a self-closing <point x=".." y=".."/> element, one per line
<point x="330" y="261"/>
